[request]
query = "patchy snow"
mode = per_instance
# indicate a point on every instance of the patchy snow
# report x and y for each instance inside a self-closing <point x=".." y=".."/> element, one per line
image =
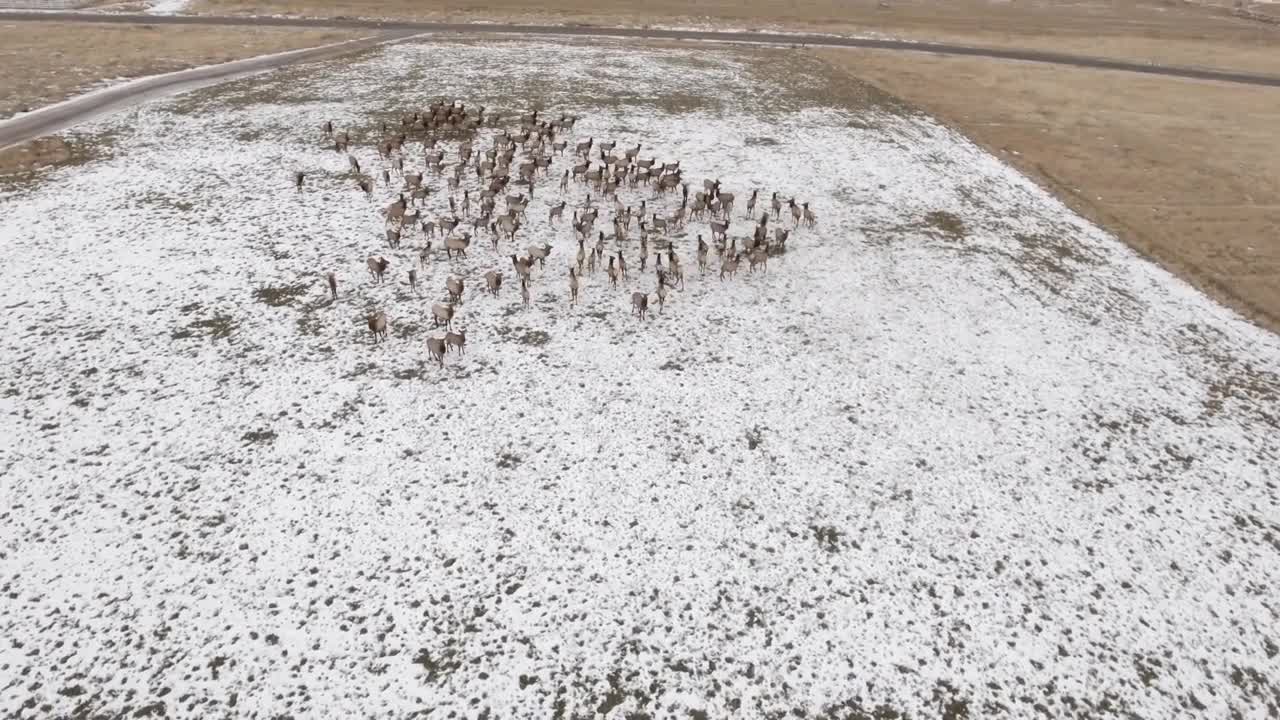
<point x="168" y="7"/>
<point x="959" y="453"/>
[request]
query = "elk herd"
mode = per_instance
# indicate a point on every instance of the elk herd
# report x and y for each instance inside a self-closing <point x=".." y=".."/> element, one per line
<point x="446" y="170"/>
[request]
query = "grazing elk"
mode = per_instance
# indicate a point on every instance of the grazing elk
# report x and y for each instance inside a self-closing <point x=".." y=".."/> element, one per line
<point x="378" y="268"/>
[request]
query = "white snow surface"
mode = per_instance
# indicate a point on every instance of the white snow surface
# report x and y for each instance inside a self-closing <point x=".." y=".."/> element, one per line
<point x="168" y="7"/>
<point x="1000" y="469"/>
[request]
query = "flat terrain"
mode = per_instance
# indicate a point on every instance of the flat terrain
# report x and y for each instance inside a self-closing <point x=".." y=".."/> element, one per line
<point x="957" y="453"/>
<point x="1184" y="171"/>
<point x="1164" y="32"/>
<point x="49" y="62"/>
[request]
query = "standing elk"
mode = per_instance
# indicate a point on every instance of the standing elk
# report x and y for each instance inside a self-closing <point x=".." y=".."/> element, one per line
<point x="493" y="281"/>
<point x="436" y="348"/>
<point x="573" y="287"/>
<point x="442" y="314"/>
<point x="413" y="280"/>
<point x="457" y="244"/>
<point x="456" y="341"/>
<point x="640" y="304"/>
<point x="454" y="287"/>
<point x="378" y="268"/>
<point x="377" y="325"/>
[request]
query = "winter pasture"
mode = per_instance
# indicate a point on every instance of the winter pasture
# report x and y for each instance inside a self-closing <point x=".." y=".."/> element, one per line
<point x="956" y="454"/>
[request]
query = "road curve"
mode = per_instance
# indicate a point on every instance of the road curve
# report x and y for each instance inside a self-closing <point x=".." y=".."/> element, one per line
<point x="53" y="118"/>
<point x="1082" y="61"/>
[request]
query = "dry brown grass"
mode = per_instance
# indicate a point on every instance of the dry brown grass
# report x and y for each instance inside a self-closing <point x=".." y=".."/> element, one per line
<point x="48" y="62"/>
<point x="1164" y="31"/>
<point x="1184" y="171"/>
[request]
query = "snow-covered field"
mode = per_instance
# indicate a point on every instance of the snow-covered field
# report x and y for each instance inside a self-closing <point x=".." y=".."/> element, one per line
<point x="958" y="454"/>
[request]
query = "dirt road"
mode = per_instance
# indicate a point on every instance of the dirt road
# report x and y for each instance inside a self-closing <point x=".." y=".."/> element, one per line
<point x="1195" y="73"/>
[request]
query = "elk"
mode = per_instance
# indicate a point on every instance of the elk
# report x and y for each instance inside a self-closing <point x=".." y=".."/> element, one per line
<point x="677" y="272"/>
<point x="377" y="325"/>
<point x="613" y="273"/>
<point x="622" y="266"/>
<point x="456" y="341"/>
<point x="424" y="254"/>
<point x="758" y="257"/>
<point x="508" y="225"/>
<point x="493" y="281"/>
<point x="539" y="253"/>
<point x="298" y="177"/>
<point x="413" y="280"/>
<point x="524" y="291"/>
<point x="523" y="267"/>
<point x="366" y="186"/>
<point x="640" y="304"/>
<point x="729" y="267"/>
<point x="662" y="291"/>
<point x="751" y="204"/>
<point x="393" y="238"/>
<point x="327" y="127"/>
<point x="795" y="212"/>
<point x="436" y="348"/>
<point x="378" y="267"/>
<point x="582" y="252"/>
<point x="776" y="203"/>
<point x="719" y="229"/>
<point x="808" y="217"/>
<point x="354" y="163"/>
<point x="457" y="244"/>
<point x="557" y="211"/>
<point x="726" y="204"/>
<point x="573" y="287"/>
<point x="442" y="314"/>
<point x="454" y="287"/>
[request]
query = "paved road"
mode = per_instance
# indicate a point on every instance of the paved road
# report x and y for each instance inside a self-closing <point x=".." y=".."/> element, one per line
<point x="1195" y="73"/>
<point x="53" y="118"/>
<point x="58" y="117"/>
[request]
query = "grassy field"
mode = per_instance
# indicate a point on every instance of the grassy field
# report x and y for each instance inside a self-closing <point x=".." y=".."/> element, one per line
<point x="49" y="62"/>
<point x="1181" y="170"/>
<point x="1149" y="30"/>
<point x="956" y="453"/>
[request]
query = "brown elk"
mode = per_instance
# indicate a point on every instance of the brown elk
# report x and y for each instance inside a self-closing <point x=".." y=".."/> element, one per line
<point x="378" y="267"/>
<point x="413" y="280"/>
<point x="442" y="314"/>
<point x="377" y="325"/>
<point x="454" y="287"/>
<point x="493" y="281"/>
<point x="456" y="341"/>
<point x="524" y="291"/>
<point x="436" y="348"/>
<point x="573" y="287"/>
<point x="539" y="253"/>
<point x="702" y="255"/>
<point x="455" y="244"/>
<point x="640" y="304"/>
